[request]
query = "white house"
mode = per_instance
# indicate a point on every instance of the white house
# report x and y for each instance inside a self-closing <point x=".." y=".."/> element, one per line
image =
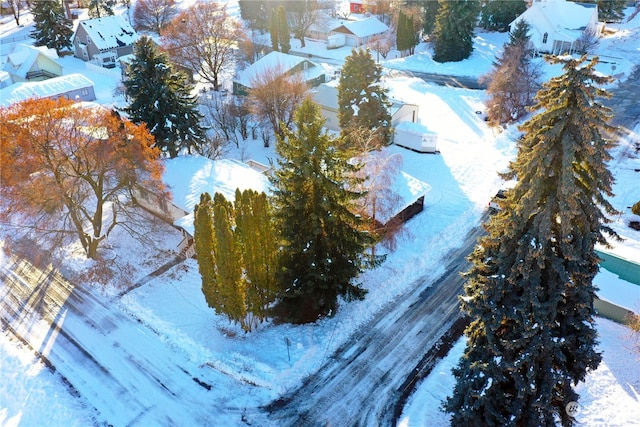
<point x="326" y="96"/>
<point x="103" y="40"/>
<point x="72" y="86"/>
<point x="360" y="32"/>
<point x="187" y="177"/>
<point x="30" y="63"/>
<point x="279" y="62"/>
<point x="557" y="26"/>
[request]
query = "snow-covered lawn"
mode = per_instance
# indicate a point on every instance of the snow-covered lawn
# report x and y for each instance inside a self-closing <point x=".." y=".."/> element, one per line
<point x="462" y="179"/>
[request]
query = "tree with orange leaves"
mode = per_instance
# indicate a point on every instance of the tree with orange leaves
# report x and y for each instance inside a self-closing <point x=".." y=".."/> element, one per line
<point x="71" y="170"/>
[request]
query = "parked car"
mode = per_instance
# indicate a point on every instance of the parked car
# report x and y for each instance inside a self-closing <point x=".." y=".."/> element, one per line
<point x="494" y="203"/>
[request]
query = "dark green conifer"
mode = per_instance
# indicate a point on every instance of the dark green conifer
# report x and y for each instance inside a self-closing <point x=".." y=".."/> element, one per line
<point x="530" y="289"/>
<point x="362" y="100"/>
<point x="52" y="28"/>
<point x="273" y="31"/>
<point x="323" y="242"/>
<point x="161" y="97"/>
<point x="498" y="14"/>
<point x="453" y="34"/>
<point x="284" y="32"/>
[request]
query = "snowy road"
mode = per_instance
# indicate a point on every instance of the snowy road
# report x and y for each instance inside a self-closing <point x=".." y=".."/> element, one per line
<point x="361" y="383"/>
<point x="106" y="357"/>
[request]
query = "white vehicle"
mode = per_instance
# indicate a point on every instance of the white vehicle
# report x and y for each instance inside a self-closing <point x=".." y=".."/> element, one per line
<point x="415" y="137"/>
<point x="494" y="203"/>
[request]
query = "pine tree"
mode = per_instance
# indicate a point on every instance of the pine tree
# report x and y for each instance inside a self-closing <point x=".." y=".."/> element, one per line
<point x="323" y="241"/>
<point x="453" y="34"/>
<point x="52" y="28"/>
<point x="498" y="14"/>
<point x="284" y="33"/>
<point x="362" y="100"/>
<point x="609" y="10"/>
<point x="530" y="289"/>
<point x="161" y="97"/>
<point x="100" y="8"/>
<point x="273" y="31"/>
<point x="514" y="79"/>
<point x="431" y="9"/>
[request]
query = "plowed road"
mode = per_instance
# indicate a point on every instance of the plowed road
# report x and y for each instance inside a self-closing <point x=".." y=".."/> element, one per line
<point x="363" y="381"/>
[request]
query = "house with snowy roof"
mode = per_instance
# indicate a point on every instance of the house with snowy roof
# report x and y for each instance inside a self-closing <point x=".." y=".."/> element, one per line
<point x="71" y="86"/>
<point x="358" y="33"/>
<point x="103" y="40"/>
<point x="187" y="177"/>
<point x="326" y="96"/>
<point x="28" y="63"/>
<point x="280" y="63"/>
<point x="559" y="26"/>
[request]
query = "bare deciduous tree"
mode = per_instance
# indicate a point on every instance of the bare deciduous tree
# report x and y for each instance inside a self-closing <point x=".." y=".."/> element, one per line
<point x="302" y="15"/>
<point x="203" y="37"/>
<point x="381" y="200"/>
<point x="274" y="97"/>
<point x="153" y="15"/>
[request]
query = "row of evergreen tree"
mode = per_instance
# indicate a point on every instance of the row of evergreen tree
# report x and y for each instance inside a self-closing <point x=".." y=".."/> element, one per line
<point x="295" y="253"/>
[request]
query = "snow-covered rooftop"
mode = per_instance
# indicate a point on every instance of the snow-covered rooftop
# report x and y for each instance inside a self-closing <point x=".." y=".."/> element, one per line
<point x="559" y="14"/>
<point x="43" y="89"/>
<point x="109" y="32"/>
<point x="190" y="176"/>
<point x="21" y="59"/>
<point x="277" y="61"/>
<point x="365" y="27"/>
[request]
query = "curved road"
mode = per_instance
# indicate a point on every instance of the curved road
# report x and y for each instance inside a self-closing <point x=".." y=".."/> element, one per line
<point x="364" y="380"/>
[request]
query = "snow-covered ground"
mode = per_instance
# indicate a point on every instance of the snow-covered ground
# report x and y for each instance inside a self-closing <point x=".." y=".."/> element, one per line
<point x="462" y="179"/>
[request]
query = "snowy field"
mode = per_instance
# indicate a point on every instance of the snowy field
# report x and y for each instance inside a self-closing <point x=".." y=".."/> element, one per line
<point x="260" y="366"/>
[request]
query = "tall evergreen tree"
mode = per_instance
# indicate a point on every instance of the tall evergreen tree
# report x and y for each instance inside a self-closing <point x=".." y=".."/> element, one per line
<point x="362" y="101"/>
<point x="161" y="97"/>
<point x="236" y="247"/>
<point x="204" y="242"/>
<point x="100" y="8"/>
<point x="453" y="34"/>
<point x="273" y="30"/>
<point x="405" y="38"/>
<point x="52" y="28"/>
<point x="255" y="12"/>
<point x="498" y="14"/>
<point x="609" y="10"/>
<point x="322" y="240"/>
<point x="530" y="289"/>
<point x="231" y="286"/>
<point x="284" y="32"/>
<point x="258" y="247"/>
<point x="514" y="79"/>
<point x="431" y="9"/>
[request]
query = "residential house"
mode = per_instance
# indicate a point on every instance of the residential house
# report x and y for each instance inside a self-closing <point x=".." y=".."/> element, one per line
<point x="362" y="6"/>
<point x="71" y="86"/>
<point x="279" y="62"/>
<point x="358" y="33"/>
<point x="103" y="40"/>
<point x="326" y="96"/>
<point x="557" y="26"/>
<point x="187" y="178"/>
<point x="29" y="64"/>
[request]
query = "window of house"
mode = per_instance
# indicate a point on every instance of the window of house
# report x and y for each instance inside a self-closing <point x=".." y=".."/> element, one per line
<point x="545" y="36"/>
<point x="84" y="92"/>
